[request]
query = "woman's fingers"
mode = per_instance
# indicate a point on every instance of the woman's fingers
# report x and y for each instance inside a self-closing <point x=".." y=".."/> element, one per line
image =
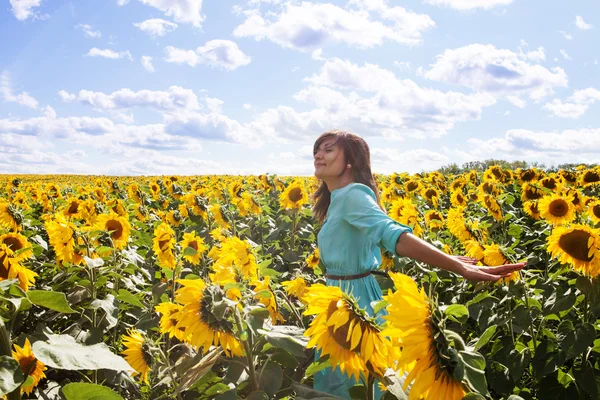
<point x="505" y="269"/>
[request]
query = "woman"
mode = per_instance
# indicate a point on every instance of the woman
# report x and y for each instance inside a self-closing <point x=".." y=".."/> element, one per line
<point x="354" y="226"/>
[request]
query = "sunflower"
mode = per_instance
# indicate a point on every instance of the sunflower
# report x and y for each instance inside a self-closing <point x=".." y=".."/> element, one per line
<point x="434" y="220"/>
<point x="590" y="178"/>
<point x="137" y="353"/>
<point x="71" y="210"/>
<point x="294" y="196"/>
<point x="593" y="211"/>
<point x="14" y="248"/>
<point x="296" y="287"/>
<point x="457" y="198"/>
<point x="458" y="184"/>
<point x="577" y="245"/>
<point x="10" y="216"/>
<point x="117" y="226"/>
<point x="551" y="183"/>
<point x="30" y="366"/>
<point x="491" y="204"/>
<point x="250" y="204"/>
<point x="404" y="211"/>
<point x="387" y="261"/>
<point x="426" y="354"/>
<point x="556" y="209"/>
<point x="474" y="249"/>
<point x="155" y="190"/>
<point x="266" y="297"/>
<point x="62" y="235"/>
<point x="175" y="218"/>
<point x="197" y="246"/>
<point x="412" y="185"/>
<point x="236" y="255"/>
<point x="532" y="209"/>
<point x="342" y="330"/>
<point x="203" y="328"/>
<point x="530" y="192"/>
<point x="169" y="319"/>
<point x="219" y="216"/>
<point x="432" y="196"/>
<point x="313" y="259"/>
<point x="493" y="255"/>
<point x="164" y="245"/>
<point x="457" y="225"/>
<point x="528" y="175"/>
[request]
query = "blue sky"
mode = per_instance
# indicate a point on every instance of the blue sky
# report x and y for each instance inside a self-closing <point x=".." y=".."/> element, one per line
<point x="130" y="87"/>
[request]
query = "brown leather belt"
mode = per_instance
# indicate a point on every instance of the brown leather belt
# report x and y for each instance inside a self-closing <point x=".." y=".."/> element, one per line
<point x="348" y="277"/>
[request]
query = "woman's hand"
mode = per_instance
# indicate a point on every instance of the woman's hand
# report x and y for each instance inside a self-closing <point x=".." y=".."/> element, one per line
<point x="468" y="260"/>
<point x="477" y="273"/>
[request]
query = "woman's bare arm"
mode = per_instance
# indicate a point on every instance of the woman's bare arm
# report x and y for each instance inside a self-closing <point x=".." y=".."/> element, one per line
<point x="408" y="245"/>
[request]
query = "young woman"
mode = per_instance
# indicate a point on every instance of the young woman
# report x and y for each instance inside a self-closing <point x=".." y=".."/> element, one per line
<point x="354" y="226"/>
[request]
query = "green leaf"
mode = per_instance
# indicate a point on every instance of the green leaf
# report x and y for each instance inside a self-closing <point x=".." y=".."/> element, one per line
<point x="271" y="378"/>
<point x="110" y="307"/>
<point x="304" y="392"/>
<point x="473" y="396"/>
<point x="129" y="298"/>
<point x="93" y="262"/>
<point x="514" y="397"/>
<point x="457" y="313"/>
<point x="88" y="391"/>
<point x="474" y="371"/>
<point x="258" y="395"/>
<point x="317" y="366"/>
<point x="395" y="384"/>
<point x="190" y="251"/>
<point x="486" y="337"/>
<point x="290" y="338"/>
<point x="63" y="352"/>
<point x="11" y="376"/>
<point x="56" y="301"/>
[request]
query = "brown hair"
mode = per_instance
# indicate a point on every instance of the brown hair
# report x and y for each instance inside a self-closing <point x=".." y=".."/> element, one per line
<point x="356" y="152"/>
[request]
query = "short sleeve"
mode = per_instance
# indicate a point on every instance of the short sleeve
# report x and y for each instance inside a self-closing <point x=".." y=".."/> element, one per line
<point x="361" y="211"/>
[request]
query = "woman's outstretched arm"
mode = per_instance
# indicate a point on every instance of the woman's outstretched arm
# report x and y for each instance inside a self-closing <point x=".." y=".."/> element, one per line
<point x="408" y="245"/>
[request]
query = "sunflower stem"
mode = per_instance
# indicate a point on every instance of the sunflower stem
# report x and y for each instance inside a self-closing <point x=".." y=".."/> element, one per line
<point x="288" y="301"/>
<point x="531" y="331"/>
<point x="371" y="387"/>
<point x="510" y="321"/>
<point x="5" y="350"/>
<point x="248" y="350"/>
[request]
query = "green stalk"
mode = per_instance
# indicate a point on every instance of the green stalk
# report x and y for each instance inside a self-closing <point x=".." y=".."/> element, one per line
<point x="248" y="351"/>
<point x="5" y="350"/>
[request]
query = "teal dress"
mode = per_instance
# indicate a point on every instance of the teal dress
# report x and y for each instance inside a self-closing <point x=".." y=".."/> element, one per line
<point x="349" y="244"/>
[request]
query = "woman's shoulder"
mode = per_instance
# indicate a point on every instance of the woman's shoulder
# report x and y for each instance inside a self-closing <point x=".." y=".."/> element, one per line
<point x="356" y="189"/>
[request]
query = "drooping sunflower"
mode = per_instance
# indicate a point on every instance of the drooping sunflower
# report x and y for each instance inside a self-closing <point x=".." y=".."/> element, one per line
<point x="63" y="234"/>
<point x="219" y="217"/>
<point x="530" y="192"/>
<point x="426" y="354"/>
<point x="557" y="209"/>
<point x="14" y="248"/>
<point x="10" y="216"/>
<point x="195" y="243"/>
<point x="30" y="366"/>
<point x="552" y="183"/>
<point x="493" y="255"/>
<point x="163" y="245"/>
<point x="457" y="225"/>
<point x="342" y="330"/>
<point x="137" y="353"/>
<point x="457" y="198"/>
<point x="387" y="261"/>
<point x="71" y="210"/>
<point x="266" y="297"/>
<point x="202" y="328"/>
<point x="412" y="185"/>
<point x="434" y="220"/>
<point x="169" y="319"/>
<point x="474" y="249"/>
<point x="313" y="259"/>
<point x="532" y="209"/>
<point x="294" y="196"/>
<point x="197" y="204"/>
<point x="237" y="256"/>
<point x="591" y="177"/>
<point x="296" y="287"/>
<point x="491" y="204"/>
<point x="569" y="177"/>
<point x="577" y="245"/>
<point x="250" y="204"/>
<point x="118" y="227"/>
<point x="593" y="211"/>
<point x="528" y="175"/>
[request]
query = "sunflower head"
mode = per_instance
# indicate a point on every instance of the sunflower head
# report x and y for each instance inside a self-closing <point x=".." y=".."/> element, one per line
<point x="137" y="353"/>
<point x="594" y="211"/>
<point x="577" y="245"/>
<point x="528" y="175"/>
<point x="556" y="209"/>
<point x="294" y="196"/>
<point x="590" y="177"/>
<point x="116" y="226"/>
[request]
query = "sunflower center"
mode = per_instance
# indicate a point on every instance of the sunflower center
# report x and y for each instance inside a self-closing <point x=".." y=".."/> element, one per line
<point x="596" y="210"/>
<point x="559" y="208"/>
<point x="113" y="225"/>
<point x="591" y="176"/>
<point x="193" y="245"/>
<point x="430" y="193"/>
<point x="534" y="208"/>
<point x="575" y="244"/>
<point x="533" y="194"/>
<point x="3" y="269"/>
<point x="341" y="333"/>
<point x="146" y="354"/>
<point x="295" y="194"/>
<point x="528" y="175"/>
<point x="412" y="186"/>
<point x="13" y="243"/>
<point x="73" y="207"/>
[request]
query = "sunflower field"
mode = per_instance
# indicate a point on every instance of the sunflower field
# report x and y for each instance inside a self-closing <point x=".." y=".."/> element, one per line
<point x="211" y="287"/>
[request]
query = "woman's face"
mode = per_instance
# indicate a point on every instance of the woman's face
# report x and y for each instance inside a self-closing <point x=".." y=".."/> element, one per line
<point x="329" y="159"/>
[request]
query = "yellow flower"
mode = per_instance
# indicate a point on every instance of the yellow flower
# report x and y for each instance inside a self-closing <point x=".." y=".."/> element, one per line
<point x="556" y="209"/>
<point x="169" y="319"/>
<point x="294" y="196"/>
<point x="590" y="178"/>
<point x="215" y="210"/>
<point x="30" y="366"/>
<point x="62" y="235"/>
<point x="530" y="192"/>
<point x="202" y="328"/>
<point x="10" y="216"/>
<point x="267" y="298"/>
<point x="593" y="211"/>
<point x="72" y="210"/>
<point x="296" y="287"/>
<point x="10" y="267"/>
<point x="456" y="224"/>
<point x="532" y="209"/>
<point x="190" y="240"/>
<point x="577" y="245"/>
<point x="434" y="220"/>
<point x="493" y="255"/>
<point x="474" y="249"/>
<point x="343" y="331"/>
<point x="409" y="320"/>
<point x="313" y="259"/>
<point x="458" y="199"/>
<point x="164" y="245"/>
<point x="137" y="353"/>
<point x="492" y="206"/>
<point x="118" y="227"/>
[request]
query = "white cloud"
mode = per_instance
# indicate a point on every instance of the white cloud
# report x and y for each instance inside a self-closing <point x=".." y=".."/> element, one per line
<point x="6" y="90"/>
<point x="247" y="106"/>
<point x="23" y="9"/>
<point x="576" y="105"/>
<point x="185" y="11"/>
<point x="156" y="26"/>
<point x="498" y="71"/>
<point x="309" y="26"/>
<point x="216" y="53"/>
<point x="470" y="4"/>
<point x="516" y="101"/>
<point x="565" y="55"/>
<point x="581" y="24"/>
<point x="108" y="53"/>
<point x="174" y="99"/>
<point x="403" y="65"/>
<point x="89" y="31"/>
<point x="147" y="63"/>
<point x="566" y="35"/>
